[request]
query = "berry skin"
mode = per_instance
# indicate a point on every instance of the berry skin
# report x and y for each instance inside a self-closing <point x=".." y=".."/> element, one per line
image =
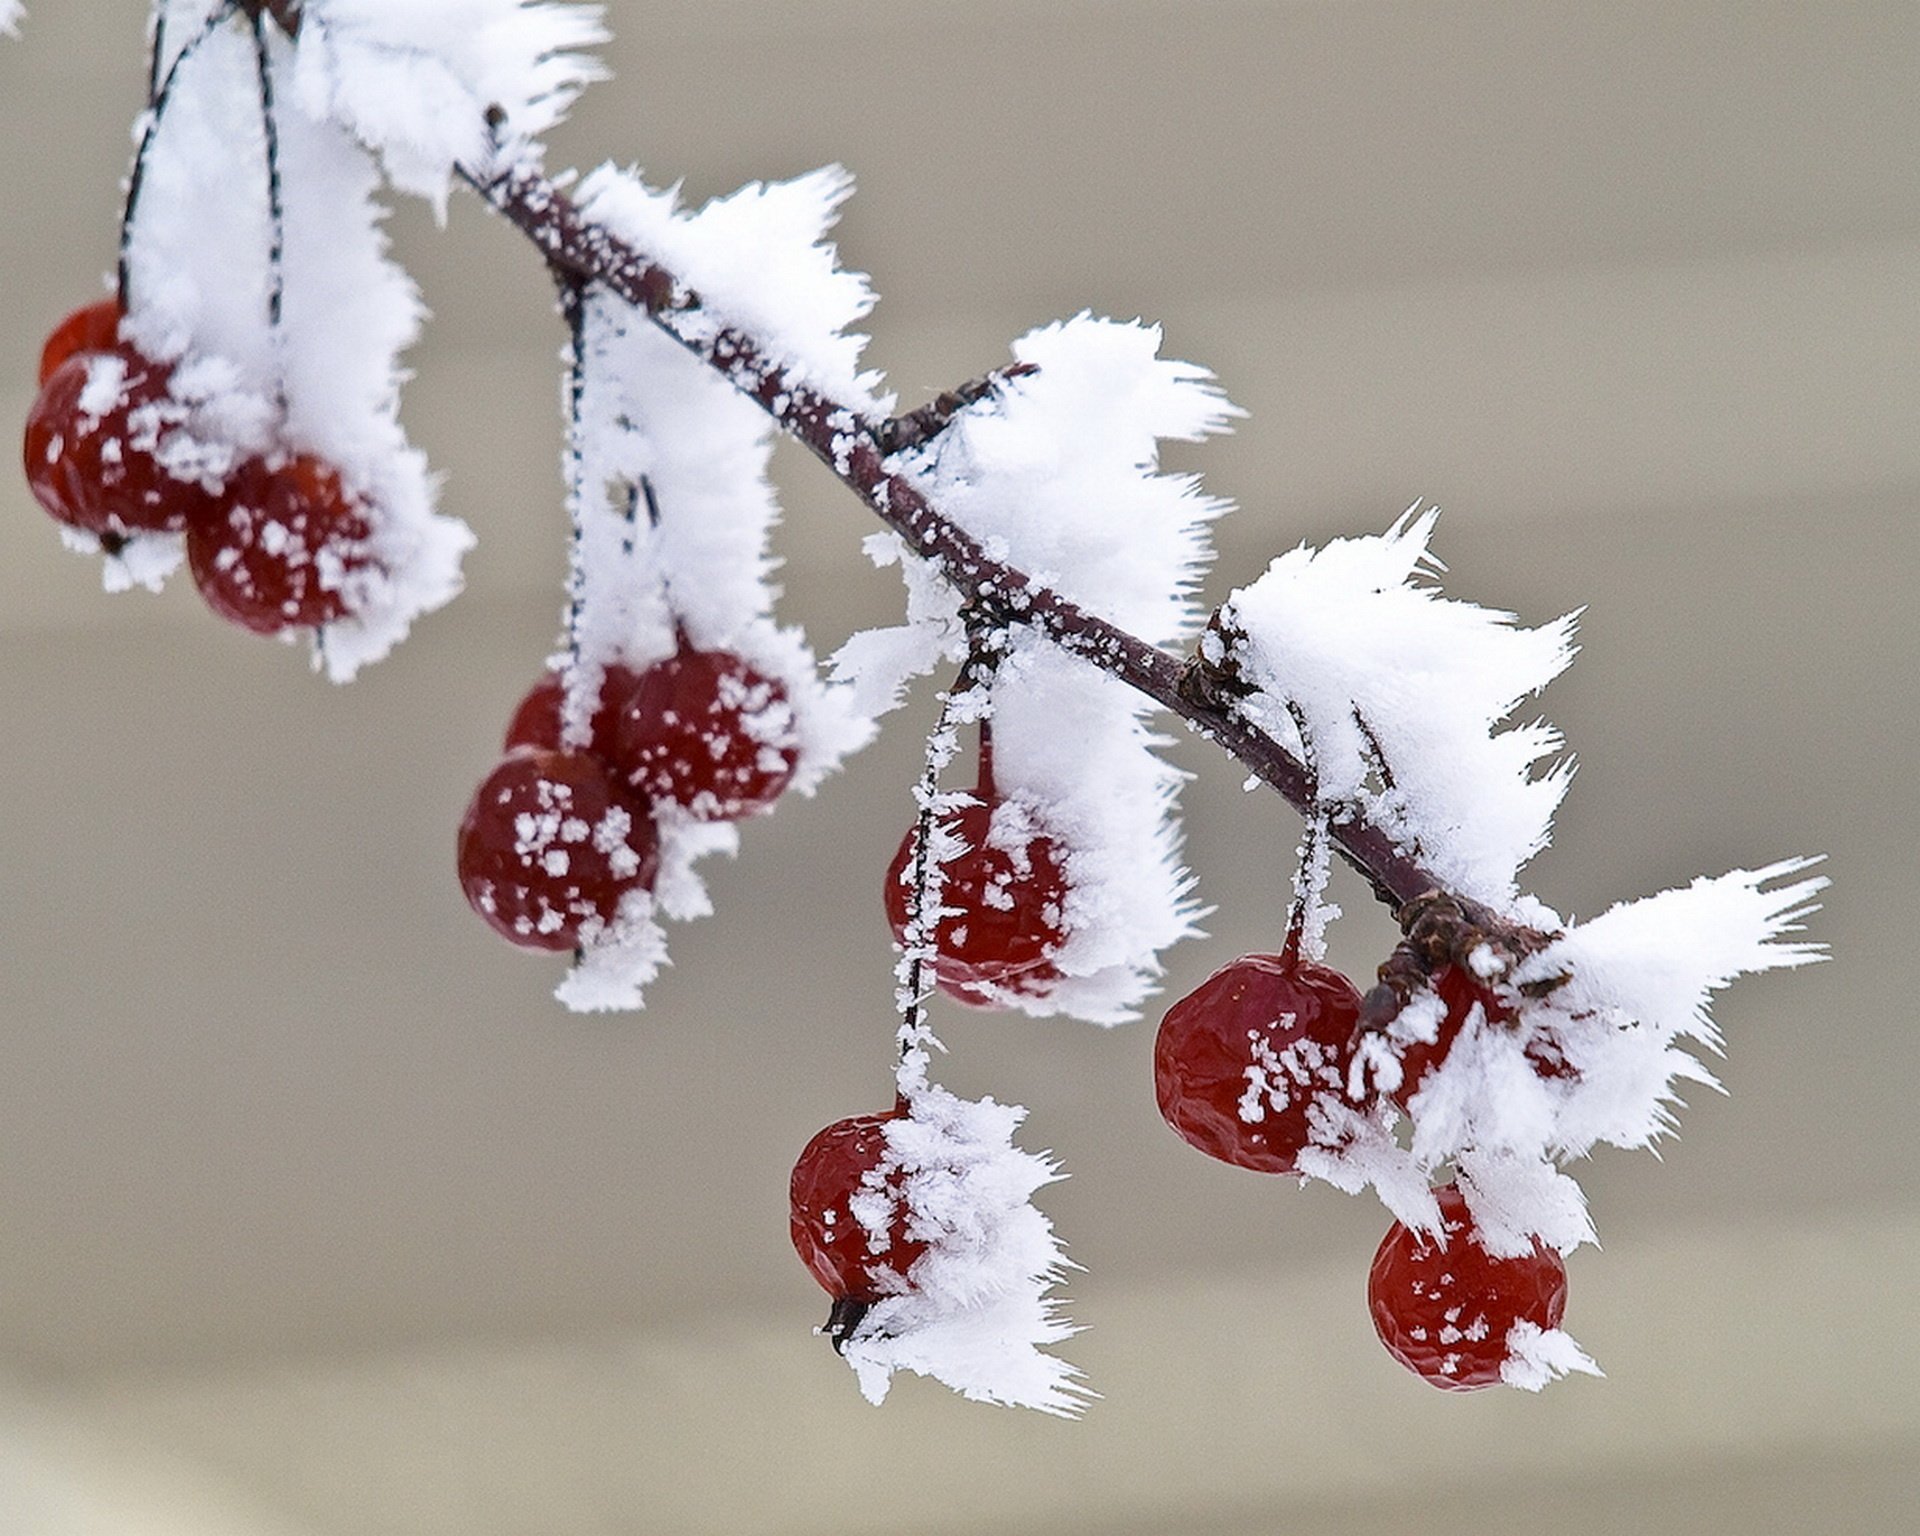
<point x="281" y="548"/>
<point x="548" y="847"/>
<point x="706" y="731"/>
<point x="841" y="1162"/>
<point x="1239" y="1060"/>
<point x="1458" y="991"/>
<point x="1003" y="920"/>
<point x="1445" y="1313"/>
<point x="91" y="328"/>
<point x="93" y="445"/>
<point x="536" y="722"/>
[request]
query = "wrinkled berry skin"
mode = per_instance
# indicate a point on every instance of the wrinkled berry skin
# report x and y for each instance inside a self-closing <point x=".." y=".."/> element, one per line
<point x="1445" y="1313"/>
<point x="1239" y="1060"/>
<point x="548" y="847"/>
<point x="93" y="444"/>
<point x="837" y="1250"/>
<point x="91" y="328"/>
<point x="1459" y="990"/>
<point x="706" y="731"/>
<point x="283" y="548"/>
<point x="1004" y="921"/>
<point x="536" y="722"/>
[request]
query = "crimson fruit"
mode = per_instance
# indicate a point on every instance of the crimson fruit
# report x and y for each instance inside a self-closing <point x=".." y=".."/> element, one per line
<point x="283" y="548"/>
<point x="1445" y="1313"/>
<point x="851" y="1261"/>
<point x="707" y="731"/>
<point x="91" y="328"/>
<point x="1238" y="1062"/>
<point x="95" y="447"/>
<point x="536" y="722"/>
<point x="1459" y="990"/>
<point x="549" y="846"/>
<point x="1002" y="903"/>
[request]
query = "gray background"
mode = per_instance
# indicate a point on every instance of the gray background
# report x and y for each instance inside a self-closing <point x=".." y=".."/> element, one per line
<point x="318" y="1218"/>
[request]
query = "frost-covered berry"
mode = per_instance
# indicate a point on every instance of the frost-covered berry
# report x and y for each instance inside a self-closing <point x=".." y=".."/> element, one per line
<point x="91" y="328"/>
<point x="1460" y="993"/>
<point x="536" y="721"/>
<point x="96" y="443"/>
<point x="849" y="1214"/>
<point x="549" y="846"/>
<point x="707" y="731"/>
<point x="283" y="547"/>
<point x="1002" y="902"/>
<point x="1239" y="1061"/>
<point x="1446" y="1314"/>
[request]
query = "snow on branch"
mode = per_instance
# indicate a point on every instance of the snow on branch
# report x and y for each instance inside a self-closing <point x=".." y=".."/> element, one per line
<point x="672" y="508"/>
<point x="762" y="264"/>
<point x="1641" y="976"/>
<point x="1054" y="468"/>
<point x="431" y="85"/>
<point x="1401" y="693"/>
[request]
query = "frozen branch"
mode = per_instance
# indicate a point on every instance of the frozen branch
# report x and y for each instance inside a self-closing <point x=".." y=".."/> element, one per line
<point x="855" y="450"/>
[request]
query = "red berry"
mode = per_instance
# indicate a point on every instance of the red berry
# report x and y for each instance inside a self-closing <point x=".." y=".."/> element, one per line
<point x="536" y="722"/>
<point x="91" y="328"/>
<point x="1003" y="901"/>
<point x="548" y="847"/>
<point x="843" y="1161"/>
<point x="282" y="548"/>
<point x="1238" y="1061"/>
<point x="1459" y="990"/>
<point x="1445" y="1313"/>
<point x="94" y="444"/>
<point x="706" y="731"/>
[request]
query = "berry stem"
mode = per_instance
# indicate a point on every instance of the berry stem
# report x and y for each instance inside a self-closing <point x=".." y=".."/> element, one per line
<point x="970" y="693"/>
<point x="850" y="445"/>
<point x="984" y="785"/>
<point x="157" y="108"/>
<point x="276" y="208"/>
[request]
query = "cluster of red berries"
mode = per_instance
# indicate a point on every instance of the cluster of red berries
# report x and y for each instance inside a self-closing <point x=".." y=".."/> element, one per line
<point x="274" y="547"/>
<point x="1252" y="1067"/>
<point x="555" y="838"/>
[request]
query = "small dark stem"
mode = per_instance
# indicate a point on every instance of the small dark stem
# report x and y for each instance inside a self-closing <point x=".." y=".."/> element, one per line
<point x="156" y="109"/>
<point x="276" y="208"/>
<point x="284" y="12"/>
<point x="573" y="310"/>
<point x="929" y="421"/>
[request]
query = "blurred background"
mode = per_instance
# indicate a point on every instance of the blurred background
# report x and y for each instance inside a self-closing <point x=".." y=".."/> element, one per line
<point x="319" y="1218"/>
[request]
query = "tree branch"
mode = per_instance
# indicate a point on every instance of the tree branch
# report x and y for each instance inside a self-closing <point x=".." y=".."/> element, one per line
<point x="1202" y="694"/>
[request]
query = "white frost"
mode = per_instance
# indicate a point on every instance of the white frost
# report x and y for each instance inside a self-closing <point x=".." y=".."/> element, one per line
<point x="617" y="961"/>
<point x="1357" y="639"/>
<point x="414" y="79"/>
<point x="760" y="261"/>
<point x="1073" y="743"/>
<point x="325" y="379"/>
<point x="10" y="13"/>
<point x="672" y="510"/>
<point x="1536" y="1356"/>
<point x="1056" y="472"/>
<point x="976" y="1313"/>
<point x="1640" y="978"/>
